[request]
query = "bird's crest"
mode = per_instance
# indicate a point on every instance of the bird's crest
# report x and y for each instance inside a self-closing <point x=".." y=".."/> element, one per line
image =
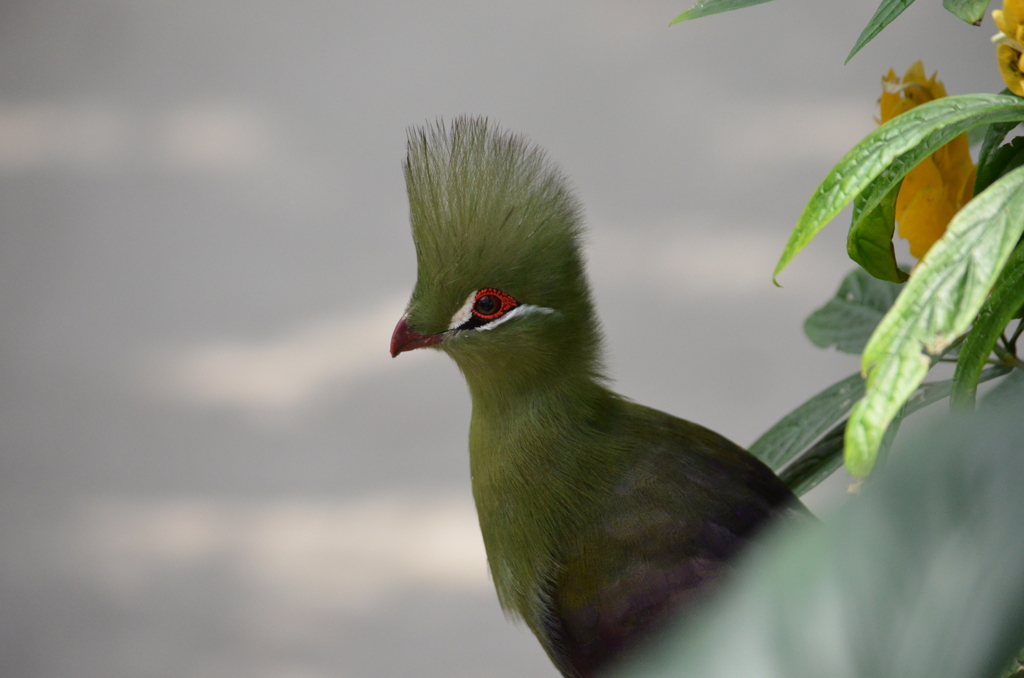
<point x="489" y="210"/>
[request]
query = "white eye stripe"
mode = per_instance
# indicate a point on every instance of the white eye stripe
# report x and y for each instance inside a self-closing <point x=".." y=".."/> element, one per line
<point x="464" y="314"/>
<point x="522" y="309"/>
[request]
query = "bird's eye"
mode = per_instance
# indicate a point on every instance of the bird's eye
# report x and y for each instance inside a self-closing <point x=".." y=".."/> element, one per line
<point x="483" y="309"/>
<point x="491" y="303"/>
<point x="487" y="305"/>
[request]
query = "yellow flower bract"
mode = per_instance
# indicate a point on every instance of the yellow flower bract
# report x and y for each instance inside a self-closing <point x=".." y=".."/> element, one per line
<point x="1009" y="42"/>
<point x="943" y="182"/>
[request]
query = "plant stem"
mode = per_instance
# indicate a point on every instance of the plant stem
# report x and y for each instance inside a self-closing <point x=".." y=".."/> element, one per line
<point x="1016" y="333"/>
<point x="1008" y="358"/>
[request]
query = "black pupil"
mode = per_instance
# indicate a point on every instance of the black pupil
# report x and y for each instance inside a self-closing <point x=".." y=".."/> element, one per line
<point x="488" y="304"/>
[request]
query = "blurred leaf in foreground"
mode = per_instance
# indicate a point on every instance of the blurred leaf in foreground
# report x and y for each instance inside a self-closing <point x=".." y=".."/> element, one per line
<point x="922" y="576"/>
<point x="1008" y="395"/>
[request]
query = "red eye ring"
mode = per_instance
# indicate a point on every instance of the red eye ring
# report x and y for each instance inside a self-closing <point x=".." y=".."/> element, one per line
<point x="491" y="303"/>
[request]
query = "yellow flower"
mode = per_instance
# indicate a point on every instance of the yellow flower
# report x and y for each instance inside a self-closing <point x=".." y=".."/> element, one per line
<point x="1009" y="52"/>
<point x="943" y="182"/>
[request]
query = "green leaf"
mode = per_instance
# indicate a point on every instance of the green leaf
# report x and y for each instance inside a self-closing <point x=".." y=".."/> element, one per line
<point x="977" y="135"/>
<point x="936" y="306"/>
<point x="1016" y="158"/>
<point x="890" y="436"/>
<point x="708" y="7"/>
<point x="799" y="428"/>
<point x="1002" y="304"/>
<point x="884" y="157"/>
<point x="816" y="464"/>
<point x="994" y="135"/>
<point x="970" y="11"/>
<point x="922" y="576"/>
<point x="884" y="15"/>
<point x="869" y="242"/>
<point x="825" y="456"/>
<point x="849" y="318"/>
<point x="1002" y="160"/>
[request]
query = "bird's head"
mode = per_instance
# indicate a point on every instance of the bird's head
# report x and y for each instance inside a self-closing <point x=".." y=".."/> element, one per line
<point x="500" y="277"/>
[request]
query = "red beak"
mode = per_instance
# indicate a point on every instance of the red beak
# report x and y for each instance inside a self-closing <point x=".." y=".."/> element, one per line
<point x="406" y="339"/>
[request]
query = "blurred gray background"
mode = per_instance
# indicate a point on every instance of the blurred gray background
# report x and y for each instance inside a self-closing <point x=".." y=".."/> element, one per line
<point x="209" y="464"/>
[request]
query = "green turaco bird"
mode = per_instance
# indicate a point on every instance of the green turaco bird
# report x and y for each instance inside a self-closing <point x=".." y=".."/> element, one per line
<point x="602" y="518"/>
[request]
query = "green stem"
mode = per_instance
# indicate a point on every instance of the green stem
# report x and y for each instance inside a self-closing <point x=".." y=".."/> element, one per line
<point x="1013" y="339"/>
<point x="1008" y="358"/>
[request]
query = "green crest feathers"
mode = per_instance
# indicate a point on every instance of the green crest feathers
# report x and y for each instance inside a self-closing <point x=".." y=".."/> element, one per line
<point x="489" y="210"/>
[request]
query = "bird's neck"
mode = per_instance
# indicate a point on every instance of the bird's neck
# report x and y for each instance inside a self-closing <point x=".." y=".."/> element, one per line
<point x="539" y="451"/>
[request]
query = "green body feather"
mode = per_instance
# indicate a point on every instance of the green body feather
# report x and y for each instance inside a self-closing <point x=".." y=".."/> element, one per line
<point x="600" y="517"/>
